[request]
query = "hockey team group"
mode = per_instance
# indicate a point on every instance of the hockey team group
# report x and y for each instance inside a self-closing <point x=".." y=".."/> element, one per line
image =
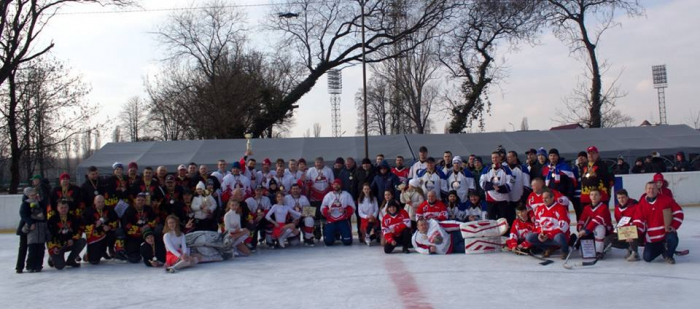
<point x="176" y="220"/>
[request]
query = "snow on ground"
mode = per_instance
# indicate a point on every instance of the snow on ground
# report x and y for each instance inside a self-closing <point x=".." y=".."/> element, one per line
<point x="360" y="277"/>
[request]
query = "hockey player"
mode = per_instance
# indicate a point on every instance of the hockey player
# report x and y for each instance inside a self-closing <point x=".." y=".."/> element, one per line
<point x="520" y="187"/>
<point x="522" y="226"/>
<point x="264" y="175"/>
<point x="100" y="226"/>
<point x="368" y="210"/>
<point x="456" y="210"/>
<point x="595" y="222"/>
<point x="182" y="179"/>
<point x="475" y="208"/>
<point x="297" y="202"/>
<point x="458" y="179"/>
<point x="420" y="164"/>
<point x="432" y="208"/>
<point x="496" y="182"/>
<point x="431" y="178"/>
<point x="337" y="207"/>
<point x="220" y="171"/>
<point x="430" y="238"/>
<point x="132" y="173"/>
<point x="626" y="215"/>
<point x="152" y="251"/>
<point x="551" y="226"/>
<point x="117" y="186"/>
<point x="135" y="218"/>
<point x="93" y="186"/>
<point x="662" y="185"/>
<point x="177" y="255"/>
<point x="68" y="192"/>
<point x="656" y="221"/>
<point x="282" y="230"/>
<point x="149" y="185"/>
<point x="400" y="170"/>
<point x="395" y="228"/>
<point x="284" y="181"/>
<point x="535" y="200"/>
<point x="65" y="236"/>
<point x="235" y="180"/>
<point x="321" y="178"/>
<point x="232" y="225"/>
<point x="445" y="165"/>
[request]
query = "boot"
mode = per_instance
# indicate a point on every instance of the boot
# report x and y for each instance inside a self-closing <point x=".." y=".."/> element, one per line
<point x="633" y="256"/>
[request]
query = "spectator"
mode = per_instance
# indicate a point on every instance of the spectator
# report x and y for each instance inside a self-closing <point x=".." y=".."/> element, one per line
<point x="638" y="167"/>
<point x="681" y="164"/>
<point x="657" y="163"/>
<point x="621" y="167"/>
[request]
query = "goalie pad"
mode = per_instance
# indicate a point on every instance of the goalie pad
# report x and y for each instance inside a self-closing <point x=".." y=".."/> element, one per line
<point x="484" y="245"/>
<point x="484" y="228"/>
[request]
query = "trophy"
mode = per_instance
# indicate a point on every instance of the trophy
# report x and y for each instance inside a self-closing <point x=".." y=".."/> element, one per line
<point x="249" y="143"/>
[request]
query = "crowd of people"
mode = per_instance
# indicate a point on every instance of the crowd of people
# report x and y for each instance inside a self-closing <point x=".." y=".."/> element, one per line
<point x="143" y="215"/>
<point x="654" y="163"/>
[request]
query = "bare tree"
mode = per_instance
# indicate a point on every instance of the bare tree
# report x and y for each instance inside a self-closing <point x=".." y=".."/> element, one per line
<point x="575" y="109"/>
<point x="379" y="104"/>
<point x="317" y="129"/>
<point x="470" y="48"/>
<point x="581" y="24"/>
<point x="325" y="35"/>
<point x="134" y="116"/>
<point x="116" y="135"/>
<point x="307" y="133"/>
<point x="693" y="119"/>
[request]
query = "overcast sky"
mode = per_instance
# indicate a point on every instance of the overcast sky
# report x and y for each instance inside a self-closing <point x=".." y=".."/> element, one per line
<point x="115" y="52"/>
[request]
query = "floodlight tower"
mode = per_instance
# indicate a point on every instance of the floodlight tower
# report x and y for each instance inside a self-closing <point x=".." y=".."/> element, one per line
<point x="335" y="88"/>
<point x="660" y="83"/>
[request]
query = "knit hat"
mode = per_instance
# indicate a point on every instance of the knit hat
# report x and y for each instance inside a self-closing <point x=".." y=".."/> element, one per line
<point x="267" y="161"/>
<point x="302" y="160"/>
<point x="63" y="176"/>
<point x="554" y="151"/>
<point x="117" y="165"/>
<point x="457" y="159"/>
<point x="37" y="176"/>
<point x="133" y="165"/>
<point x="340" y="160"/>
<point x="338" y="181"/>
<point x="366" y="161"/>
<point x="541" y="152"/>
<point x="415" y="182"/>
<point x="29" y="190"/>
<point x="384" y="164"/>
<point x="479" y="159"/>
<point x="658" y="177"/>
<point x="200" y="185"/>
<point x="236" y="165"/>
<point x="147" y="232"/>
<point x="182" y="167"/>
<point x="582" y="154"/>
<point x="531" y="151"/>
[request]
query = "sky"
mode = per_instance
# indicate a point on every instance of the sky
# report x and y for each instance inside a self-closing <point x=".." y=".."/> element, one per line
<point x="116" y="52"/>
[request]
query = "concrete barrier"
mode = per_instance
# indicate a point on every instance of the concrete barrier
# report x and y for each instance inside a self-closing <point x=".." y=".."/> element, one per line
<point x="685" y="186"/>
<point x="9" y="211"/>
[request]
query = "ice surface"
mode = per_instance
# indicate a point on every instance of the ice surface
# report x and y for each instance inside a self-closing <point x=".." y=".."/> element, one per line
<point x="361" y="277"/>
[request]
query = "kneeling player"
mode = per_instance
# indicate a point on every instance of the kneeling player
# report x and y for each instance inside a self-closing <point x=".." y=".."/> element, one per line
<point x="625" y="215"/>
<point x="551" y="226"/>
<point x="337" y="207"/>
<point x="395" y="228"/>
<point x="522" y="226"/>
<point x="595" y="222"/>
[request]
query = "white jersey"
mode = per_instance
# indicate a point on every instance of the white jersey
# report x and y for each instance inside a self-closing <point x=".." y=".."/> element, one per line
<point x="220" y="175"/>
<point x="321" y="181"/>
<point x="454" y="213"/>
<point x="431" y="182"/>
<point x="500" y="177"/>
<point x="280" y="212"/>
<point x="336" y="204"/>
<point x="282" y="182"/>
<point x="252" y="176"/>
<point x="368" y="208"/>
<point x="415" y="168"/>
<point x="296" y="203"/>
<point x="255" y="204"/>
<point x="296" y="176"/>
<point x="475" y="211"/>
<point x="520" y="181"/>
<point x="232" y="182"/>
<point x="262" y="177"/>
<point x="460" y="183"/>
<point x="435" y="237"/>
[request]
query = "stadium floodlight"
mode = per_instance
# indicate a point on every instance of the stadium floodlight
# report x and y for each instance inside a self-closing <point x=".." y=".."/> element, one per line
<point x="335" y="88"/>
<point x="658" y="72"/>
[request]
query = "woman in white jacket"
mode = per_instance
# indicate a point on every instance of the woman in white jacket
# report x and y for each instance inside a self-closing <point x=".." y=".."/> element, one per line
<point x="412" y="197"/>
<point x="232" y="223"/>
<point x="204" y="209"/>
<point x="177" y="254"/>
<point x="368" y="211"/>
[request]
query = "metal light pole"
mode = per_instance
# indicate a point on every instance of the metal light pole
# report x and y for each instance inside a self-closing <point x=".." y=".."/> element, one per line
<point x="364" y="78"/>
<point x="660" y="83"/>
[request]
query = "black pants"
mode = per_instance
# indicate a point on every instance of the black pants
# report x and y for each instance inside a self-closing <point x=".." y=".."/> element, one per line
<point x="404" y="240"/>
<point x="59" y="260"/>
<point x="35" y="258"/>
<point x="22" y="253"/>
<point x="97" y="250"/>
<point x="132" y="246"/>
<point x="503" y="209"/>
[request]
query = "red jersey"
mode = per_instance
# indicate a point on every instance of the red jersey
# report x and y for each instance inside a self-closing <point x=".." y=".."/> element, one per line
<point x="402" y="174"/>
<point x="630" y="211"/>
<point x="552" y="220"/>
<point x="535" y="200"/>
<point x="678" y="215"/>
<point x="651" y="218"/>
<point x="437" y="211"/>
<point x="518" y="232"/>
<point x="392" y="226"/>
<point x="593" y="216"/>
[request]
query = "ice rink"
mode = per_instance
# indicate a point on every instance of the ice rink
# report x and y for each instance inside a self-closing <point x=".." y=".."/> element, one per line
<point x="361" y="277"/>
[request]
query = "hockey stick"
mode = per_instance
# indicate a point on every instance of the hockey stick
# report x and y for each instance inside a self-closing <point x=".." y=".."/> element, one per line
<point x="544" y="262"/>
<point x="591" y="263"/>
<point x="682" y="252"/>
<point x="566" y="262"/>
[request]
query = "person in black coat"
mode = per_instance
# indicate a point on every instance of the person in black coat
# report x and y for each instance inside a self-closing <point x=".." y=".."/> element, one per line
<point x="33" y="232"/>
<point x="621" y="167"/>
<point x="384" y="181"/>
<point x="152" y="250"/>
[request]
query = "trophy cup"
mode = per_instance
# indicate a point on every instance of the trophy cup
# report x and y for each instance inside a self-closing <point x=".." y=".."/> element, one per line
<point x="249" y="143"/>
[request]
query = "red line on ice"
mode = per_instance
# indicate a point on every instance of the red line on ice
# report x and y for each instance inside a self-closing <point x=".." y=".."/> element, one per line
<point x="407" y="288"/>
